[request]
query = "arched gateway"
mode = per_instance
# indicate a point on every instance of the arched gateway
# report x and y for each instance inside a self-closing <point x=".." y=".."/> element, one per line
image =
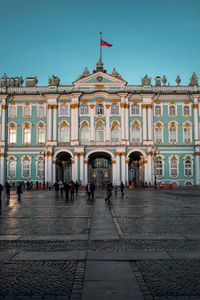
<point x="64" y="167"/>
<point x="99" y="168"/>
<point x="136" y="168"/>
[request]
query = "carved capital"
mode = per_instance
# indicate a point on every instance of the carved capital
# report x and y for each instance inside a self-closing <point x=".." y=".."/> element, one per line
<point x="195" y="105"/>
<point x="92" y="106"/>
<point x="197" y="153"/>
<point x="3" y="106"/>
<point x="107" y="106"/>
<point x="113" y="161"/>
<point x="144" y="105"/>
<point x="122" y="105"/>
<point x="49" y="153"/>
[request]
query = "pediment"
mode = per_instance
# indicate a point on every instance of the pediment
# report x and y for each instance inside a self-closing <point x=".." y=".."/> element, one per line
<point x="99" y="78"/>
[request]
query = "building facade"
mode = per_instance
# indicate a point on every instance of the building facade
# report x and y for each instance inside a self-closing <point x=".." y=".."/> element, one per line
<point x="99" y="129"/>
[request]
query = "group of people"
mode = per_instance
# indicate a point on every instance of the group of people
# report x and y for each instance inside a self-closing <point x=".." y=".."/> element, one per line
<point x="109" y="189"/>
<point x="70" y="188"/>
<point x="8" y="188"/>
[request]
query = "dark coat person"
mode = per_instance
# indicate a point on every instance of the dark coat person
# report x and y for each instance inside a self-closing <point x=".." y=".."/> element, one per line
<point x="66" y="188"/>
<point x="19" y="191"/>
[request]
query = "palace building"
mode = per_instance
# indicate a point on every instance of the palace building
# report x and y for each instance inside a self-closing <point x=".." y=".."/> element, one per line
<point x="100" y="128"/>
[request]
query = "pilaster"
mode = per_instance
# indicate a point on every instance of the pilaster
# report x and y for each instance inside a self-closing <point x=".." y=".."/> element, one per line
<point x="75" y="119"/>
<point x="107" y="122"/>
<point x="92" y="130"/>
<point x="197" y="168"/>
<point x="196" y="122"/>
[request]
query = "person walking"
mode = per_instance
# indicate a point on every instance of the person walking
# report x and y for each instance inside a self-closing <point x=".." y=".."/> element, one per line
<point x="1" y="189"/>
<point x="7" y="187"/>
<point x="122" y="188"/>
<point x="71" y="189"/>
<point x="56" y="187"/>
<point x="66" y="188"/>
<point x="92" y="189"/>
<point x="76" y="186"/>
<point x="19" y="191"/>
<point x="61" y="187"/>
<point x="109" y="192"/>
<point x="88" y="190"/>
<point x="115" y="189"/>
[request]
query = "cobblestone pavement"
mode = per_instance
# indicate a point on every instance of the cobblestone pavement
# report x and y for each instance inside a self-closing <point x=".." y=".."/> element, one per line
<point x="163" y="221"/>
<point x="168" y="278"/>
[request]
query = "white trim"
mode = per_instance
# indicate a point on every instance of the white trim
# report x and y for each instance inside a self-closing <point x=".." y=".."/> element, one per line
<point x="97" y="151"/>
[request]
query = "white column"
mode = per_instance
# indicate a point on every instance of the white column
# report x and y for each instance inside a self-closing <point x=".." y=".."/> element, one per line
<point x="150" y="121"/>
<point x="86" y="171"/>
<point x="123" y="168"/>
<point x="49" y="166"/>
<point x="55" y="125"/>
<point x="75" y="166"/>
<point x="81" y="164"/>
<point x="3" y="118"/>
<point x="197" y="168"/>
<point x="127" y="122"/>
<point x="49" y="122"/>
<point x="73" y="169"/>
<point x="72" y="122"/>
<point x="114" y="172"/>
<point x="149" y="170"/>
<point x="45" y="169"/>
<point x="196" y="123"/>
<point x="92" y="130"/>
<point x="75" y="122"/>
<point x="107" y="122"/>
<point x="54" y="171"/>
<point x="2" y="168"/>
<point x="144" y="117"/>
<point x="118" y="169"/>
<point x="127" y="160"/>
<point x="122" y="122"/>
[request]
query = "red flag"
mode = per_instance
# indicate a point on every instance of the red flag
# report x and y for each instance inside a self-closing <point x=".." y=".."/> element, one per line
<point x="103" y="43"/>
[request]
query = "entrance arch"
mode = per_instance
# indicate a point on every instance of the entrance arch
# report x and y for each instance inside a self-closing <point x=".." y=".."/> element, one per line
<point x="64" y="167"/>
<point x="99" y="168"/>
<point x="136" y="168"/>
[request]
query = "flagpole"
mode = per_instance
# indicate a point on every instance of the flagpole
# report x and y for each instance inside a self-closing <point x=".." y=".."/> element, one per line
<point x="100" y="47"/>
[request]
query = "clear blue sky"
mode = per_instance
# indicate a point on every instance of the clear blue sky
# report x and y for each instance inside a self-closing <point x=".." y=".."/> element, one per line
<point x="61" y="37"/>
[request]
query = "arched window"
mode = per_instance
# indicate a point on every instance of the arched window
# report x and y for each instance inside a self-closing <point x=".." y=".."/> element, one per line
<point x="12" y="168"/>
<point x="172" y="110"/>
<point x="84" y="109"/>
<point x="114" y="109"/>
<point x="40" y="168"/>
<point x="115" y="132"/>
<point x="135" y="133"/>
<point x="135" y="109"/>
<point x="26" y="167"/>
<point x="99" y="133"/>
<point x="84" y="132"/>
<point x="41" y="111"/>
<point x="158" y="133"/>
<point x="172" y="133"/>
<point x="173" y="167"/>
<point x="157" y="110"/>
<point x="12" y="134"/>
<point x="64" y="133"/>
<point x="63" y="110"/>
<point x="187" y="133"/>
<point x="27" y="133"/>
<point x="99" y="109"/>
<point x="27" y="111"/>
<point x="41" y="133"/>
<point x="159" y="166"/>
<point x="12" y="111"/>
<point x="186" y="110"/>
<point x="188" y="168"/>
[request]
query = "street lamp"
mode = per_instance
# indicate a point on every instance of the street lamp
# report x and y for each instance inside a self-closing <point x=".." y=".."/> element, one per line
<point x="155" y="152"/>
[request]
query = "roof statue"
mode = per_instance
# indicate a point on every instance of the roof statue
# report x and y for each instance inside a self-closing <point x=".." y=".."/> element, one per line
<point x="178" y="80"/>
<point x="158" y="81"/>
<point x="164" y="80"/>
<point x="194" y="79"/>
<point x="5" y="81"/>
<point x="116" y="74"/>
<point x="54" y="80"/>
<point x="146" y="80"/>
<point x="99" y="66"/>
<point x="84" y="74"/>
